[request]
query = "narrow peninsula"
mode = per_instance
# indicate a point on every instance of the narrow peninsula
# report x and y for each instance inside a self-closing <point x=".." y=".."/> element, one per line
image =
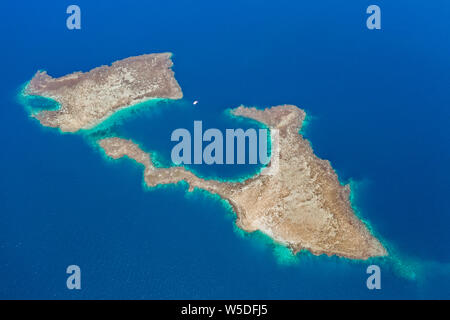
<point x="302" y="205"/>
<point x="88" y="98"/>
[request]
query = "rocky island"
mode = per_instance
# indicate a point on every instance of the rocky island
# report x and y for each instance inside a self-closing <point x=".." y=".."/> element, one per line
<point x="88" y="98"/>
<point x="303" y="205"/>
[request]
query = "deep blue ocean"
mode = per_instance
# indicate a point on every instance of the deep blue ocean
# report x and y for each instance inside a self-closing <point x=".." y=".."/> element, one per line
<point x="378" y="106"/>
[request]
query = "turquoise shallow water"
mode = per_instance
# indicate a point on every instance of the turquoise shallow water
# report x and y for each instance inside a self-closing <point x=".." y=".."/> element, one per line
<point x="377" y="107"/>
